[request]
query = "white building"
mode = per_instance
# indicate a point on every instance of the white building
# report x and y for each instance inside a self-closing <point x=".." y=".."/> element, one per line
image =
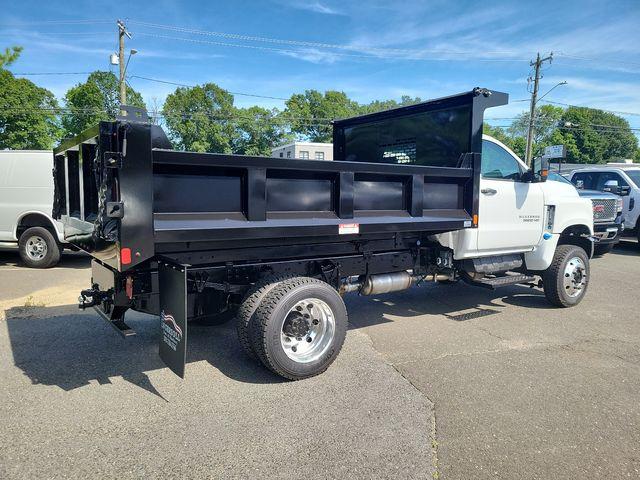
<point x="304" y="150"/>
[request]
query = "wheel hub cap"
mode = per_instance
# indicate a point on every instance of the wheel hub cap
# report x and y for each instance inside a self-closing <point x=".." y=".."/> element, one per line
<point x="36" y="248"/>
<point x="307" y="330"/>
<point x="575" y="277"/>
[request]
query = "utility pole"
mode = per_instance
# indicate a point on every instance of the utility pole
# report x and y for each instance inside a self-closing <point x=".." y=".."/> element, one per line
<point x="534" y="97"/>
<point x="122" y="31"/>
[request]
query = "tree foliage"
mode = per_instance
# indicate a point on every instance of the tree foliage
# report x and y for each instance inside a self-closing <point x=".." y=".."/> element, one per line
<point x="257" y="131"/>
<point x="94" y="100"/>
<point x="598" y="136"/>
<point x="309" y="113"/>
<point x="200" y="118"/>
<point x="27" y="112"/>
<point x="9" y="56"/>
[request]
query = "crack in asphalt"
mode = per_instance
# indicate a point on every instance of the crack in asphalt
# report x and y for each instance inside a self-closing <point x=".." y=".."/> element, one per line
<point x="434" y="428"/>
<point x="431" y="403"/>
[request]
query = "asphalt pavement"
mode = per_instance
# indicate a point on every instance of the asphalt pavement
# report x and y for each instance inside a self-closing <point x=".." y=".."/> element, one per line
<point x="440" y="381"/>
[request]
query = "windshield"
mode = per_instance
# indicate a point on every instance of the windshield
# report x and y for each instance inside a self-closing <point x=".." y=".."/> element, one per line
<point x="556" y="177"/>
<point x="635" y="176"/>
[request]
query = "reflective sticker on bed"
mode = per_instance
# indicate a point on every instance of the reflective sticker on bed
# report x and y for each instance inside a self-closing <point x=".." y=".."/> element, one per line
<point x="348" y="228"/>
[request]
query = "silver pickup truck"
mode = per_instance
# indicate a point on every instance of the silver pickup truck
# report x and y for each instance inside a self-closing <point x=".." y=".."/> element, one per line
<point x="623" y="179"/>
<point x="608" y="221"/>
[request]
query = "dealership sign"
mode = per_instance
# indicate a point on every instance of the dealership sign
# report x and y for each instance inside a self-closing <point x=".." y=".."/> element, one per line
<point x="555" y="151"/>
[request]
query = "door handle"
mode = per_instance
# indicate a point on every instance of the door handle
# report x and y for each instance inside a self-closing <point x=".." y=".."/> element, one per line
<point x="488" y="191"/>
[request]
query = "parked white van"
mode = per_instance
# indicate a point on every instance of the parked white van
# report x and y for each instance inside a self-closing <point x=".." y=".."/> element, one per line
<point x="26" y="199"/>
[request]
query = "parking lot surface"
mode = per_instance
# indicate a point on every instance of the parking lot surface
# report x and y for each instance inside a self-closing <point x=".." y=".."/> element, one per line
<point x="438" y="381"/>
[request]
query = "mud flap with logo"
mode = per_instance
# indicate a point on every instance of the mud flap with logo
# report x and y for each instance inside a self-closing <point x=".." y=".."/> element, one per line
<point x="172" y="281"/>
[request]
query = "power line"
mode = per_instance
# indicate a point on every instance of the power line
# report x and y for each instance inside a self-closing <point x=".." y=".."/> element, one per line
<point x="311" y="121"/>
<point x="301" y="43"/>
<point x="191" y="86"/>
<point x="582" y="106"/>
<point x="419" y="57"/>
<point x="605" y="60"/>
<point x="58" y="33"/>
<point x="29" y="74"/>
<point x="55" y="22"/>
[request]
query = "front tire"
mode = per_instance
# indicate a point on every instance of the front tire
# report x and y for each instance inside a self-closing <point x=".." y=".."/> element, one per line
<point x="38" y="248"/>
<point x="567" y="278"/>
<point x="299" y="328"/>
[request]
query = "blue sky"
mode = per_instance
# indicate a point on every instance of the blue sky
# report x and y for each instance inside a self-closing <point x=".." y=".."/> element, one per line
<point x="385" y="49"/>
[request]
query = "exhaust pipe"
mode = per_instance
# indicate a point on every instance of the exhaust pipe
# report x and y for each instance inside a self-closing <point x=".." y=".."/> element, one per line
<point x="388" y="282"/>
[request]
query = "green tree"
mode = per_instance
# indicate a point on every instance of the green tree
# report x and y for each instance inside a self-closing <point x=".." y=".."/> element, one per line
<point x="496" y="132"/>
<point x="201" y="119"/>
<point x="515" y="143"/>
<point x="95" y="100"/>
<point x="598" y="136"/>
<point x="309" y="113"/>
<point x="546" y="122"/>
<point x="381" y="105"/>
<point x="257" y="131"/>
<point x="27" y="112"/>
<point x="9" y="56"/>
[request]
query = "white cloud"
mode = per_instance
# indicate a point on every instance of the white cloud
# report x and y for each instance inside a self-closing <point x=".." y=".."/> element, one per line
<point x="316" y="7"/>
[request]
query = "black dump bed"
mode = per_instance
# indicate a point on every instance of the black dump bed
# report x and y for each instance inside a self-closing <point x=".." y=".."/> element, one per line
<point x="126" y="197"/>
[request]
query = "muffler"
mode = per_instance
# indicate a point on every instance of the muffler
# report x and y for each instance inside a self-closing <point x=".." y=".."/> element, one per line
<point x="388" y="282"/>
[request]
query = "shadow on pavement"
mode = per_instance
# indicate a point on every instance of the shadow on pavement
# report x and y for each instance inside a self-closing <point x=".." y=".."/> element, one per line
<point x="60" y="346"/>
<point x="67" y="260"/>
<point x="626" y="247"/>
<point x="457" y="302"/>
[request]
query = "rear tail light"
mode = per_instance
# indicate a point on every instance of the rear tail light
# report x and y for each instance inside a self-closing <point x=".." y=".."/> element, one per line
<point x="125" y="256"/>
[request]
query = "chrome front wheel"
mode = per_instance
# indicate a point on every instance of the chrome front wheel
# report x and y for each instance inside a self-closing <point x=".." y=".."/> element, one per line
<point x="575" y="276"/>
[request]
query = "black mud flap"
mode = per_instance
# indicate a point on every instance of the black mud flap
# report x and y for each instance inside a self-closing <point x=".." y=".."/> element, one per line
<point x="172" y="281"/>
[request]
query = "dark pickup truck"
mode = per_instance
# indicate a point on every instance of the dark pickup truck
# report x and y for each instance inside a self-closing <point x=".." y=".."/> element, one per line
<point x="276" y="242"/>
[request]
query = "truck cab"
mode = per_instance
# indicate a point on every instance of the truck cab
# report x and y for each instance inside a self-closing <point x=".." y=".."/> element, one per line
<point x="520" y="216"/>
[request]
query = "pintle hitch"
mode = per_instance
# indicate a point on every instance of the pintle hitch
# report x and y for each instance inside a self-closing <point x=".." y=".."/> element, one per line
<point x="93" y="296"/>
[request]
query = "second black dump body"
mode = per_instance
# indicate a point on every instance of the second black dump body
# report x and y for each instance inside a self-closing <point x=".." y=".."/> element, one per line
<point x="132" y="202"/>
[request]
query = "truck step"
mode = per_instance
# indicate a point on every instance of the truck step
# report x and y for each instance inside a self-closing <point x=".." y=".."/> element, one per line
<point x="496" y="282"/>
<point x="121" y="327"/>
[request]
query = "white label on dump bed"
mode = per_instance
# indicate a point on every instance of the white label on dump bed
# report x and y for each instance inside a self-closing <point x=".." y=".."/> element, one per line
<point x="348" y="228"/>
<point x="467" y="223"/>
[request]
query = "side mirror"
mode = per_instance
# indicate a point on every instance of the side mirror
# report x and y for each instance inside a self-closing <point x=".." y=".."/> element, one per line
<point x="624" y="191"/>
<point x="540" y="169"/>
<point x="610" y="186"/>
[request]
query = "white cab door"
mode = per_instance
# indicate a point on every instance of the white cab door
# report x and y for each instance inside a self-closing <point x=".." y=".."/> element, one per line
<point x="511" y="212"/>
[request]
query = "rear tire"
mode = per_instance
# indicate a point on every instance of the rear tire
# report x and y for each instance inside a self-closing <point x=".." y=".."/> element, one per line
<point x="602" y="249"/>
<point x="299" y="328"/>
<point x="39" y="248"/>
<point x="248" y="307"/>
<point x="567" y="278"/>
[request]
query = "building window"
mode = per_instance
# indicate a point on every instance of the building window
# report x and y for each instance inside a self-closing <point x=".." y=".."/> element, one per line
<point x="319" y="155"/>
<point x="304" y="155"/>
<point x="281" y="154"/>
<point x="289" y="154"/>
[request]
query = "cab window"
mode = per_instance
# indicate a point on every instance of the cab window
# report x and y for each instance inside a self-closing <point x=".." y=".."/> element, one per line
<point x="606" y="176"/>
<point x="596" y="180"/>
<point x="497" y="163"/>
